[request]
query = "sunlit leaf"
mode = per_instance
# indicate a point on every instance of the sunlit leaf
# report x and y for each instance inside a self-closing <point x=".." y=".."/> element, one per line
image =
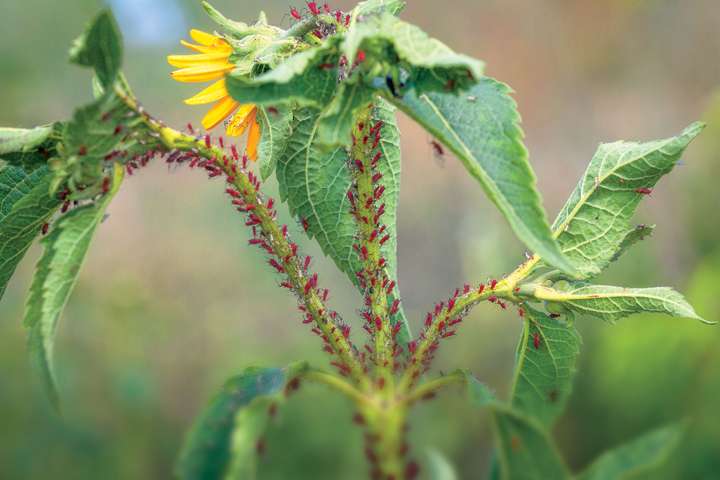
<point x="22" y="139"/>
<point x="100" y="47"/>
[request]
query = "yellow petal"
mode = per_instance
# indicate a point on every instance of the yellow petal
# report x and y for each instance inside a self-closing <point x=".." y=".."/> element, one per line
<point x="224" y="47"/>
<point x="204" y="38"/>
<point x="253" y="139"/>
<point x="241" y="120"/>
<point x="219" y="112"/>
<point x="213" y="93"/>
<point x="182" y="61"/>
<point x="202" y="73"/>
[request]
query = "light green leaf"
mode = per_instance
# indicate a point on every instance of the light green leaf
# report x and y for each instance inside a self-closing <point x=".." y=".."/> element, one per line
<point x="613" y="303"/>
<point x="439" y="468"/>
<point x="100" y="47"/>
<point x="235" y="28"/>
<point x="481" y="128"/>
<point x="430" y="64"/>
<point x="276" y="126"/>
<point x="25" y="205"/>
<point x="525" y="450"/>
<point x="374" y="7"/>
<point x="222" y="443"/>
<point x="14" y="140"/>
<point x="55" y="276"/>
<point x="641" y="455"/>
<point x="545" y="366"/>
<point x="478" y="393"/>
<point x="314" y="183"/>
<point x="595" y="221"/>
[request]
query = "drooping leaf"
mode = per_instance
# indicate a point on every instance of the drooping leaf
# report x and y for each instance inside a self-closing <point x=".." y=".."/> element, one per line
<point x="595" y="221"/>
<point x="100" y="47"/>
<point x="302" y="79"/>
<point x="222" y="443"/>
<point x="545" y="366"/>
<point x="613" y="303"/>
<point x="276" y="125"/>
<point x="25" y="205"/>
<point x="314" y="182"/>
<point x="481" y="128"/>
<point x="336" y="121"/>
<point x="439" y="468"/>
<point x="636" y="457"/>
<point x="18" y="140"/>
<point x="431" y="66"/>
<point x="478" y="393"/>
<point x="525" y="450"/>
<point x="633" y="236"/>
<point x="55" y="276"/>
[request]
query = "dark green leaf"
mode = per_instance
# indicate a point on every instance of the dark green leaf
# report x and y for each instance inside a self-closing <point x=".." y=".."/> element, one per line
<point x="314" y="182"/>
<point x="100" y="47"/>
<point x="595" y="221"/>
<point x="481" y="128"/>
<point x="545" y="366"/>
<point x="636" y="457"/>
<point x="55" y="276"/>
<point x="222" y="442"/>
<point x="525" y="451"/>
<point x="276" y="127"/>
<point x="25" y="205"/>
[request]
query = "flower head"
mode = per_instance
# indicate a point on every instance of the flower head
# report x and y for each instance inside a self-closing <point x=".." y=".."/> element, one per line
<point x="212" y="62"/>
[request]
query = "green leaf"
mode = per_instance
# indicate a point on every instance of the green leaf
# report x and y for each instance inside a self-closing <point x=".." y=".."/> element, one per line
<point x="374" y="7"/>
<point x="55" y="276"/>
<point x="639" y="456"/>
<point x="25" y="205"/>
<point x="545" y="366"/>
<point x="100" y="47"/>
<point x="439" y="468"/>
<point x="633" y="236"/>
<point x="223" y="440"/>
<point x="525" y="451"/>
<point x="481" y="128"/>
<point x="276" y="127"/>
<point x="239" y="29"/>
<point x="613" y="303"/>
<point x="478" y="393"/>
<point x="430" y="64"/>
<point x="595" y="221"/>
<point x="14" y="140"/>
<point x="337" y="120"/>
<point x="301" y="80"/>
<point x="314" y="183"/>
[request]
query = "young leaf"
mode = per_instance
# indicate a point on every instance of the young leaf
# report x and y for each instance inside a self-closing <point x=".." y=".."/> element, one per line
<point x="525" y="451"/>
<point x="336" y="121"/>
<point x="481" y="128"/>
<point x="100" y="47"/>
<point x="439" y="467"/>
<point x="14" y="140"/>
<point x="25" y="205"/>
<point x="224" y="438"/>
<point x="234" y="28"/>
<point x="636" y="457"/>
<point x="613" y="303"/>
<point x="374" y="7"/>
<point x="595" y="221"/>
<point x="545" y="366"/>
<point x="314" y="182"/>
<point x="54" y="279"/>
<point x="276" y="127"/>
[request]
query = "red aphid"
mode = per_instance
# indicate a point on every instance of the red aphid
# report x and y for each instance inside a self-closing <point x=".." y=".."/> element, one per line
<point x="45" y="228"/>
<point x="493" y="284"/>
<point x="360" y="57"/>
<point x="536" y="340"/>
<point x="437" y="148"/>
<point x="643" y="191"/>
<point x="312" y="6"/>
<point x="295" y="14"/>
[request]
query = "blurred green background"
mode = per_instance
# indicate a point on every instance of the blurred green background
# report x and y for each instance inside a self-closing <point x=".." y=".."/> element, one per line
<point x="171" y="301"/>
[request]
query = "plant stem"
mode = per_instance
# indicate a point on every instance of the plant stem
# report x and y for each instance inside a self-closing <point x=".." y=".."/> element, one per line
<point x="431" y="387"/>
<point x="174" y="140"/>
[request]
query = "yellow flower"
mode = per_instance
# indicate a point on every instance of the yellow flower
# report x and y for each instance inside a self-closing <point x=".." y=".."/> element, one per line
<point x="212" y="62"/>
